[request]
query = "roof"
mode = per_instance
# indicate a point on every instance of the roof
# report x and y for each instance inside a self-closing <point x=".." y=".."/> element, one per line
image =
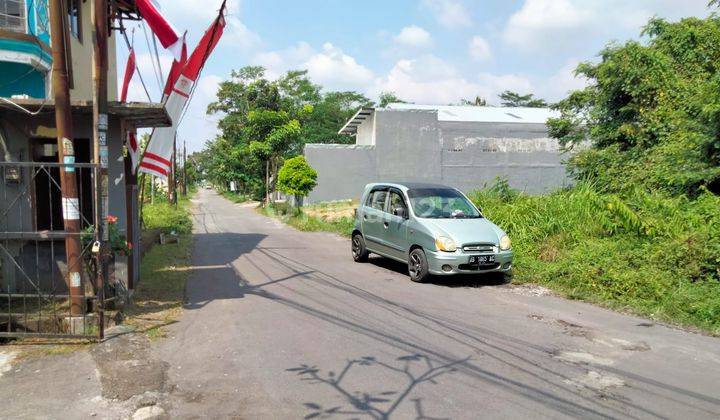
<point x="408" y="185"/>
<point x="140" y="114"/>
<point x="460" y="113"/>
<point x="483" y="113"/>
<point x="351" y="126"/>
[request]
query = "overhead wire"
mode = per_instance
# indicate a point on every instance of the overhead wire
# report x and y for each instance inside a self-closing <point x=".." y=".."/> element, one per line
<point x="147" y="42"/>
<point x="129" y="46"/>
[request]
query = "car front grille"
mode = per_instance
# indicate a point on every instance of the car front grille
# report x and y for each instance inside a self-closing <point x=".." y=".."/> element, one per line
<point x="482" y="248"/>
<point x="475" y="267"/>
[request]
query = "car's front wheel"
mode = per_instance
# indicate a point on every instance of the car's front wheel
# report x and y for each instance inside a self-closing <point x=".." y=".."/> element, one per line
<point x="359" y="252"/>
<point x="418" y="266"/>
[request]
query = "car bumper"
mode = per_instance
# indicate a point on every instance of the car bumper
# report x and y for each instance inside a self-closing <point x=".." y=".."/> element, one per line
<point x="449" y="263"/>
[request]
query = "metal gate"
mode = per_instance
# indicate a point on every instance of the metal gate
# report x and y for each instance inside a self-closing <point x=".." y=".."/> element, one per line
<point x="35" y="299"/>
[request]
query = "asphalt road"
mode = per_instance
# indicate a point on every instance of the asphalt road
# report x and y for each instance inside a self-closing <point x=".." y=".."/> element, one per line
<point x="283" y="324"/>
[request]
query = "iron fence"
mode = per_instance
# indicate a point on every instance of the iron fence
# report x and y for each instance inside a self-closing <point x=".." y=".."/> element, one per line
<point x="35" y="279"/>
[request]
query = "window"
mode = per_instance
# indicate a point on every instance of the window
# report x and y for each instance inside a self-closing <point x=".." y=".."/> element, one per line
<point x="396" y="202"/>
<point x="12" y="15"/>
<point x="441" y="203"/>
<point x="378" y="200"/>
<point x="74" y="19"/>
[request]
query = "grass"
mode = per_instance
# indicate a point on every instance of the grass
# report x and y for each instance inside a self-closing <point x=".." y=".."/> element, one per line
<point x="158" y="298"/>
<point x="336" y="217"/>
<point x="646" y="254"/>
<point x="236" y="198"/>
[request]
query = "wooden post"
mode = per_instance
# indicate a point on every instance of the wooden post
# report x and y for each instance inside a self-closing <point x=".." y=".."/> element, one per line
<point x="100" y="149"/>
<point x="66" y="154"/>
<point x="131" y="212"/>
<point x="184" y="169"/>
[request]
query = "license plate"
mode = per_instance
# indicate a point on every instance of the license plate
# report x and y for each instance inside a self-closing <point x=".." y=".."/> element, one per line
<point x="482" y="259"/>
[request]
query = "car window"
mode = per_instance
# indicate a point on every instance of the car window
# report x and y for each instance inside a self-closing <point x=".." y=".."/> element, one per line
<point x="378" y="200"/>
<point x="396" y="201"/>
<point x="441" y="203"/>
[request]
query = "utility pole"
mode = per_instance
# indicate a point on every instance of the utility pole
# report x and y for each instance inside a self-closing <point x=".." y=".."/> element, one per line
<point x="100" y="149"/>
<point x="184" y="160"/>
<point x="66" y="154"/>
<point x="172" y="179"/>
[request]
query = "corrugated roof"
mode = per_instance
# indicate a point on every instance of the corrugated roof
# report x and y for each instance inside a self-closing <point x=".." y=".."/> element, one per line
<point x="483" y="113"/>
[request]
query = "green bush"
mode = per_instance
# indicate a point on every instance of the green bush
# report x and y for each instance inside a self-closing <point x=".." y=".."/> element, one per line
<point x="653" y="254"/>
<point x="167" y="217"/>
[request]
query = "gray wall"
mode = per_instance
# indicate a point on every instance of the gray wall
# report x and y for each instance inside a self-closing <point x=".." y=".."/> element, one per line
<point x="343" y="170"/>
<point x="411" y="145"/>
<point x="475" y="154"/>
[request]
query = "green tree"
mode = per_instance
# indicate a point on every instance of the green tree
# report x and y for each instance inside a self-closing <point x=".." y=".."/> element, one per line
<point x="387" y="98"/>
<point x="478" y="101"/>
<point x="651" y="112"/>
<point x="510" y="99"/>
<point x="297" y="178"/>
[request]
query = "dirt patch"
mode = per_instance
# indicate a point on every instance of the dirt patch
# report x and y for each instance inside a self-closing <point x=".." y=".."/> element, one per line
<point x="575" y="330"/>
<point x="529" y="289"/>
<point x="582" y="358"/>
<point x="126" y="367"/>
<point x="597" y="381"/>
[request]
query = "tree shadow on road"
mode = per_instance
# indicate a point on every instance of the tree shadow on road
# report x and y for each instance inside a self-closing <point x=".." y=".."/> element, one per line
<point x="412" y="369"/>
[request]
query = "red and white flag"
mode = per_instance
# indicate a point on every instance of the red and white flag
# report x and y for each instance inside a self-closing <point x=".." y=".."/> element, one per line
<point x="158" y="154"/>
<point x="175" y="70"/>
<point x="168" y="37"/>
<point x="129" y="71"/>
<point x="131" y="140"/>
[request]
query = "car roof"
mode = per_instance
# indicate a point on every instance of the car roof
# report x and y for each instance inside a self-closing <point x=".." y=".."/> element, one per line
<point x="407" y="185"/>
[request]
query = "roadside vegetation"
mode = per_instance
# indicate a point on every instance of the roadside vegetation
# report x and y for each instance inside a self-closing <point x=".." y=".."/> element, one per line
<point x="337" y="217"/>
<point x="647" y="253"/>
<point x="164" y="270"/>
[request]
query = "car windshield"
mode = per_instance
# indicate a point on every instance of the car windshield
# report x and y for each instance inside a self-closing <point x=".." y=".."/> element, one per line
<point x="441" y="203"/>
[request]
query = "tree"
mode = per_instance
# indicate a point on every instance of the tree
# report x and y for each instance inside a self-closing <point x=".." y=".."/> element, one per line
<point x="514" y="99"/>
<point x="387" y="98"/>
<point x="651" y="112"/>
<point x="329" y="114"/>
<point x="297" y="178"/>
<point x="478" y="101"/>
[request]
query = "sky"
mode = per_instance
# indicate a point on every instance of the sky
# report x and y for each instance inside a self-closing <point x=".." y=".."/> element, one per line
<point x="426" y="51"/>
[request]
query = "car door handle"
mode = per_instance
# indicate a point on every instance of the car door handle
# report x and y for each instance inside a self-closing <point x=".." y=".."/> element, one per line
<point x="385" y="224"/>
<point x="364" y="216"/>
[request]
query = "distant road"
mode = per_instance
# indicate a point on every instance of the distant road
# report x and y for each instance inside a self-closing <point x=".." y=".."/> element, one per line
<point x="282" y="324"/>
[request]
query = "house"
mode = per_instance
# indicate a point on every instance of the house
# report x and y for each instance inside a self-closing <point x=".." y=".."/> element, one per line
<point x="466" y="147"/>
<point x="32" y="246"/>
<point x="25" y="55"/>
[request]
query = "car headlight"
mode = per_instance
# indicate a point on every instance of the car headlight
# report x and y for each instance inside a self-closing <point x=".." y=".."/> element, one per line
<point x="443" y="243"/>
<point x="505" y="243"/>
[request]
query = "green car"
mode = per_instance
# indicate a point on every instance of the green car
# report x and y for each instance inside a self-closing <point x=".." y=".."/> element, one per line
<point x="435" y="229"/>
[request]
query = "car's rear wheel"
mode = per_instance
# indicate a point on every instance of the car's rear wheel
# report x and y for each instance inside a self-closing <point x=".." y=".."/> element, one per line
<point x="418" y="266"/>
<point x="359" y="252"/>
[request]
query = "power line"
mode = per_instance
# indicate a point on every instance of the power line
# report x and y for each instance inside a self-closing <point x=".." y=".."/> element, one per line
<point x="137" y="68"/>
<point x="147" y="41"/>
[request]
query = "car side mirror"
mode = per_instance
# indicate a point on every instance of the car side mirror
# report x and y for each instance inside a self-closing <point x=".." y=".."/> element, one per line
<point x="400" y="212"/>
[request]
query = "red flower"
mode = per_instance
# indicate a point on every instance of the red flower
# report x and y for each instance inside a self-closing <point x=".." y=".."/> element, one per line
<point x="112" y="219"/>
<point x="129" y="245"/>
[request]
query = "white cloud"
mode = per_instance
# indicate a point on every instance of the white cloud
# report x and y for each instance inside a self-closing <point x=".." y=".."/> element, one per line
<point x="414" y="36"/>
<point x="330" y="67"/>
<point x="430" y="80"/>
<point x="197" y="127"/>
<point x="334" y="68"/>
<point x="543" y="25"/>
<point x="450" y="13"/>
<point x="480" y="49"/>
<point x="562" y="82"/>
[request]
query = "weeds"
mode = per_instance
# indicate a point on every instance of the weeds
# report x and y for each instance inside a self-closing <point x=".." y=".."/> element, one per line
<point x="651" y="254"/>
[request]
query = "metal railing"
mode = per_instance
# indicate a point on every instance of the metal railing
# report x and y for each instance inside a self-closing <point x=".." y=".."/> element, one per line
<point x="35" y="297"/>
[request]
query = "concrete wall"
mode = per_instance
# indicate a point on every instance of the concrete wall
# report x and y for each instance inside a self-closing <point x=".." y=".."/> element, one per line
<point x="366" y="132"/>
<point x="82" y="52"/>
<point x="475" y="154"/>
<point x="412" y="145"/>
<point x="343" y="170"/>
